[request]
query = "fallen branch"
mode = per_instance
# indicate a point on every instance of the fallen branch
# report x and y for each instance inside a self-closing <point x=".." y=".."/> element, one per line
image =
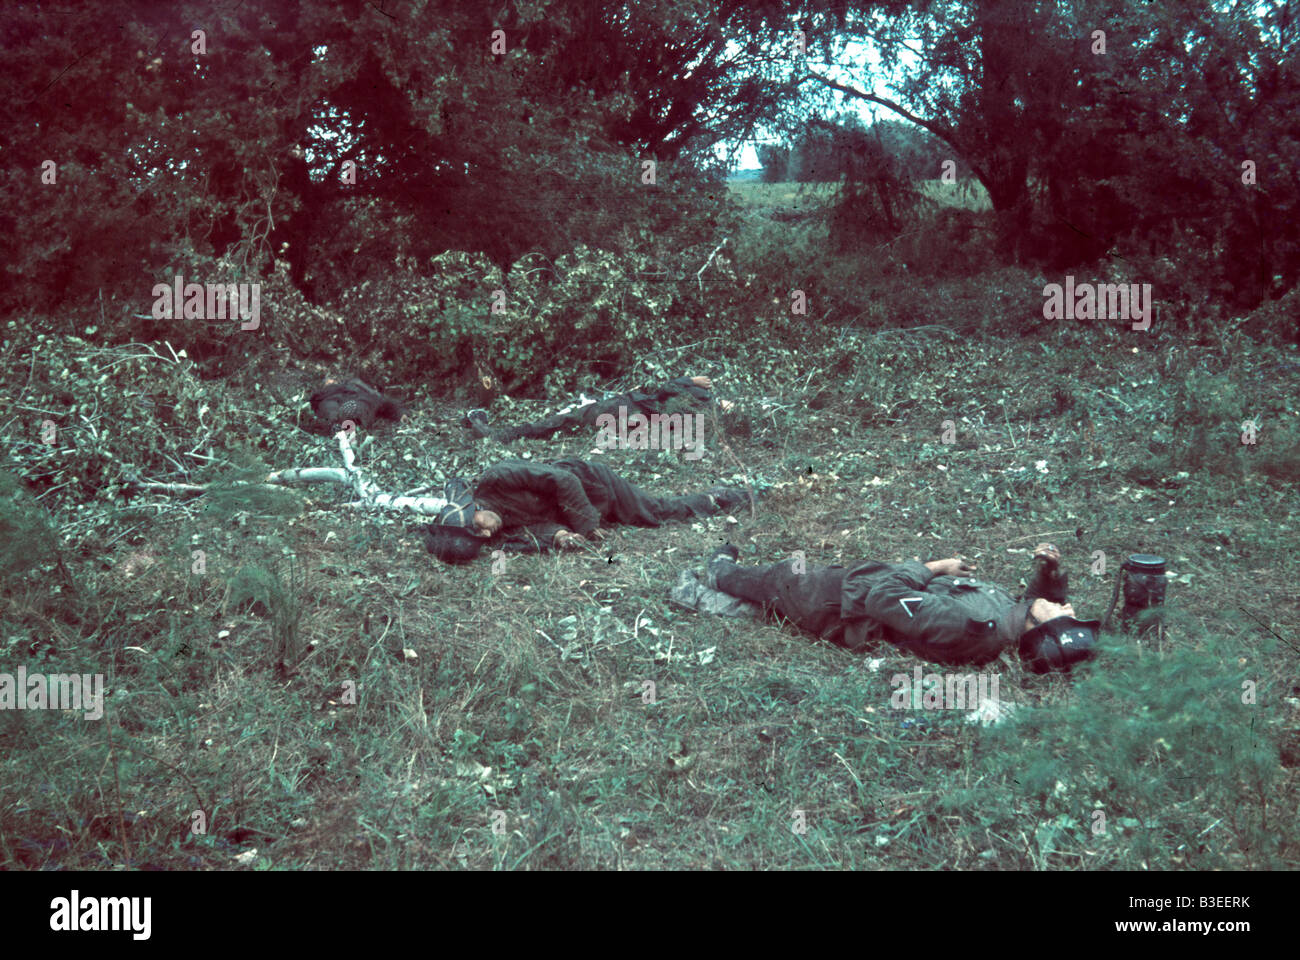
<point x="699" y="274"/>
<point x="350" y="474"/>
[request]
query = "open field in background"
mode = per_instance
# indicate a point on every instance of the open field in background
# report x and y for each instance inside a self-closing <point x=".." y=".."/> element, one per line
<point x="759" y="196"/>
<point x="762" y="197"/>
<point x="521" y="690"/>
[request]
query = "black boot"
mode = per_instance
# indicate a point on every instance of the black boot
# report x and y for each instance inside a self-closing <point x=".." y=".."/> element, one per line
<point x="729" y="498"/>
<point x="724" y="554"/>
<point x="1048" y="582"/>
<point x="476" y="420"/>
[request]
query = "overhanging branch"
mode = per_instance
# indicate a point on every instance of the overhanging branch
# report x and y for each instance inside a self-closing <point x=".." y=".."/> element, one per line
<point x="942" y="131"/>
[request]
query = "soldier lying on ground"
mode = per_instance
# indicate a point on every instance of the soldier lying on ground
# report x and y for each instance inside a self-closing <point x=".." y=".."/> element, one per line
<point x="929" y="609"/>
<point x="523" y="506"/>
<point x="339" y="401"/>
<point x="694" y="391"/>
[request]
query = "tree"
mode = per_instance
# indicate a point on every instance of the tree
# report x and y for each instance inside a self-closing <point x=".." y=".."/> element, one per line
<point x="1081" y="150"/>
<point x="345" y="138"/>
<point x="775" y="160"/>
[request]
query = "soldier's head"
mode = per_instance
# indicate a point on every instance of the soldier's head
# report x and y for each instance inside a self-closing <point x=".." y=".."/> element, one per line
<point x="1054" y="639"/>
<point x="462" y="525"/>
<point x="1040" y="611"/>
<point x="340" y="400"/>
<point x="486" y="523"/>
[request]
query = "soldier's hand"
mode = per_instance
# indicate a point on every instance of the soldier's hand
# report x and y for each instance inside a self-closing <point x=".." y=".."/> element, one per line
<point x="703" y="382"/>
<point x="568" y="540"/>
<point x="950" y="567"/>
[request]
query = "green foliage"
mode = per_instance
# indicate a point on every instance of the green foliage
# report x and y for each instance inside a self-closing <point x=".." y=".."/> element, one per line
<point x="1276" y="320"/>
<point x="242" y="494"/>
<point x="119" y="415"/>
<point x="774" y="159"/>
<point x="27" y="537"/>
<point x="828" y="151"/>
<point x="1144" y="760"/>
<point x="589" y="313"/>
<point x="276" y="591"/>
<point x="533" y="149"/>
<point x="1220" y="424"/>
<point x="1081" y="156"/>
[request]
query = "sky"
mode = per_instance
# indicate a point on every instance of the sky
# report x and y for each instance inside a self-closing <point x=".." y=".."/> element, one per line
<point x="842" y="70"/>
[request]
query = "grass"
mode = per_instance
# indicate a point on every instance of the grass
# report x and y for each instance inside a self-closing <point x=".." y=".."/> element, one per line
<point x="363" y="707"/>
<point x="319" y="694"/>
<point x="766" y="197"/>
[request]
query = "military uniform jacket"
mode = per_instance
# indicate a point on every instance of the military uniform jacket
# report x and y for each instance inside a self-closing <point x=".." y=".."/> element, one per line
<point x="536" y="496"/>
<point x="944" y="619"/>
<point x="651" y="403"/>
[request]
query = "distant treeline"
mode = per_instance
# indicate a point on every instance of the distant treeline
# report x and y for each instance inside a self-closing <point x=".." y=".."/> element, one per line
<point x="830" y="151"/>
<point x="329" y="150"/>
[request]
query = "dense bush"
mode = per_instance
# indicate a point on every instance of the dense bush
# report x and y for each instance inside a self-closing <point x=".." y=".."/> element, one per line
<point x="113" y="415"/>
<point x="1157" y="758"/>
<point x="589" y="314"/>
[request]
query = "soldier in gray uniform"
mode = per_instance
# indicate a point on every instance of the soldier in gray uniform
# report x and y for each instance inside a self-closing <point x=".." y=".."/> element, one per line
<point x="525" y="506"/>
<point x="934" y="610"/>
<point x="343" y="401"/>
<point x="689" y="393"/>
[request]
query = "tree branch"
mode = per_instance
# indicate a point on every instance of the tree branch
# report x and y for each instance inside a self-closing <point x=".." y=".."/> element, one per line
<point x="369" y="494"/>
<point x="942" y="131"/>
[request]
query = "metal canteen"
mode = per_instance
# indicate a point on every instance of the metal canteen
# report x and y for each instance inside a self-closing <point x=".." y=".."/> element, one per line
<point x="1144" y="585"/>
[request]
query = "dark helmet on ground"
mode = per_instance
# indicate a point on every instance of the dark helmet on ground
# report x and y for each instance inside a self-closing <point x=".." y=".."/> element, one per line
<point x="1059" y="643"/>
<point x="451" y="544"/>
<point x="452" y="539"/>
